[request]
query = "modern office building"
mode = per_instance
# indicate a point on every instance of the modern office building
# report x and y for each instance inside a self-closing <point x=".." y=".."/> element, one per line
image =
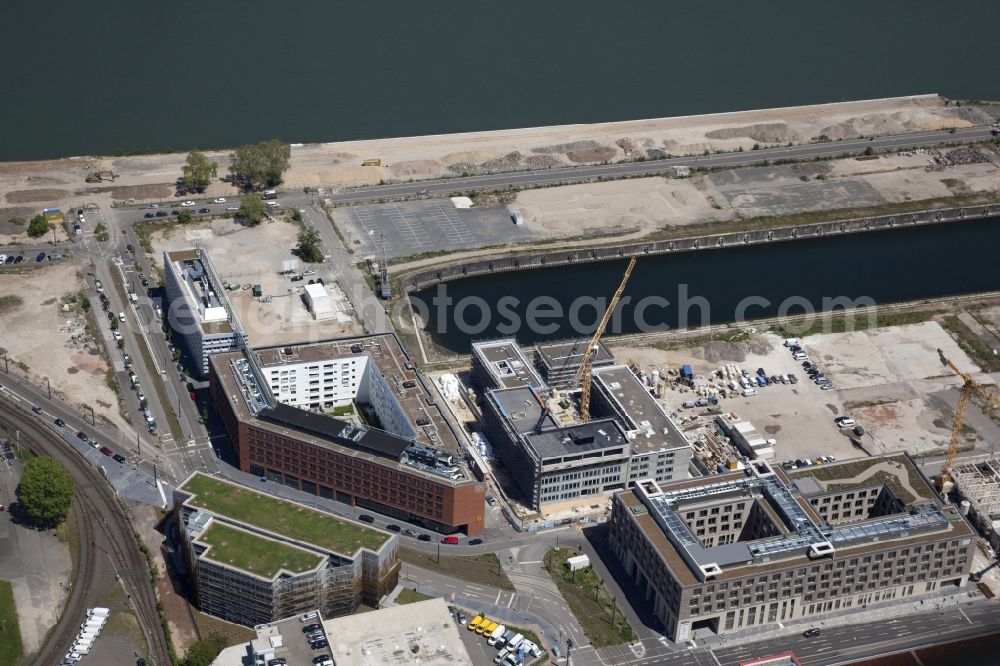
<point x="401" y="456"/>
<point x="197" y="308"/>
<point x="500" y="364"/>
<point x="256" y="558"/>
<point x="757" y="546"/>
<point x="551" y="456"/>
<point x="558" y="362"/>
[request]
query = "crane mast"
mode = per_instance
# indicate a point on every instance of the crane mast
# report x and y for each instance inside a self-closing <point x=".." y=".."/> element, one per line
<point x="583" y="374"/>
<point x="968" y="387"/>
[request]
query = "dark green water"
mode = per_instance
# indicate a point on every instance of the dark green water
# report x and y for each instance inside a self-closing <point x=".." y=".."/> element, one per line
<point x="97" y="78"/>
<point x="711" y="286"/>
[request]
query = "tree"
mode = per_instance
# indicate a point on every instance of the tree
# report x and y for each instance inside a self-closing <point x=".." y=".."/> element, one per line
<point x="252" y="210"/>
<point x="309" y="246"/>
<point x="204" y="651"/>
<point x="185" y="216"/>
<point x="259" y="164"/>
<point x="45" y="492"/>
<point x="198" y="171"/>
<point x="38" y="226"/>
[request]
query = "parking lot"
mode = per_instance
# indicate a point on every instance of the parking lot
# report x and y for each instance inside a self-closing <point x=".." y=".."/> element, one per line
<point x="426" y="226"/>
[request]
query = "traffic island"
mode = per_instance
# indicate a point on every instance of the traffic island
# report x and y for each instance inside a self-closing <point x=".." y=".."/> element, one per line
<point x="594" y="607"/>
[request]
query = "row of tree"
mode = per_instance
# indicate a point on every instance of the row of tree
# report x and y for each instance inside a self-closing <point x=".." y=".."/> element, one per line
<point x="253" y="166"/>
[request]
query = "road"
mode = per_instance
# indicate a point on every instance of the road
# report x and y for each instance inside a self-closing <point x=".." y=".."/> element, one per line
<point x="105" y="535"/>
<point x="562" y="175"/>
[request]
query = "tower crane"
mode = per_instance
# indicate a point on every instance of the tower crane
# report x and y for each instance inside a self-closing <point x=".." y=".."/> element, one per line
<point x="583" y="374"/>
<point x="968" y="387"/>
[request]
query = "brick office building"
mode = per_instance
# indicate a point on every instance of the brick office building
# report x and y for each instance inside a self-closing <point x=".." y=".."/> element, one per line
<point x="412" y="467"/>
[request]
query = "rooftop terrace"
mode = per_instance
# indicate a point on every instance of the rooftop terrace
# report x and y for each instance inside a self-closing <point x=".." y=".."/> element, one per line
<point x="288" y="519"/>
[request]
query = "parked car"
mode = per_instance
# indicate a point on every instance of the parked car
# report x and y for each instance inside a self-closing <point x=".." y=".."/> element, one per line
<point x="845" y="422"/>
<point x="475" y="542"/>
<point x="154" y="205"/>
<point x="393" y="528"/>
<point x="106" y="451"/>
<point x="118" y="458"/>
<point x="810" y="633"/>
<point x="311" y="627"/>
<point x="365" y="518"/>
<point x="492" y="501"/>
<point x="82" y="435"/>
<point x="410" y="533"/>
<point x="204" y="210"/>
<point x="59" y="422"/>
<point x="220" y="200"/>
<point x="792" y="378"/>
<point x="826" y="387"/>
<point x="187" y="203"/>
<point x="39" y="257"/>
<point x="424" y="537"/>
<point x="19" y="259"/>
<point x="162" y="213"/>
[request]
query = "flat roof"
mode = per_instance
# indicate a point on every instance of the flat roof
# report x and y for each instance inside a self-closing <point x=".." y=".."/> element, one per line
<point x="282" y="517"/>
<point x="254" y="553"/>
<point x="224" y="372"/>
<point x="378" y="442"/>
<point x="522" y="409"/>
<point x="568" y="353"/>
<point x="506" y="363"/>
<point x="202" y="269"/>
<point x="657" y="516"/>
<point x="423" y="632"/>
<point x="578" y="438"/>
<point x="418" y="400"/>
<point x="654" y="429"/>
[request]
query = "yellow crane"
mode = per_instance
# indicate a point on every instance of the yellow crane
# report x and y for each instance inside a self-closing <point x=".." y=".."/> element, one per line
<point x="968" y="387"/>
<point x="583" y="374"/>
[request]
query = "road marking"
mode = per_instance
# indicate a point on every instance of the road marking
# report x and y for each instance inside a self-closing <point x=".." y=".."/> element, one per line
<point x="965" y="616"/>
<point x="497" y="602"/>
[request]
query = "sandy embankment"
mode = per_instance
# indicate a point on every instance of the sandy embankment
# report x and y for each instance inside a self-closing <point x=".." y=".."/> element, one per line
<point x="26" y="186"/>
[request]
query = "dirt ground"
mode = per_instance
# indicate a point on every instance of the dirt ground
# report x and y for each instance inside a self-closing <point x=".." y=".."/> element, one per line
<point x="889" y="379"/>
<point x="248" y="256"/>
<point x="43" y="327"/>
<point x="61" y="182"/>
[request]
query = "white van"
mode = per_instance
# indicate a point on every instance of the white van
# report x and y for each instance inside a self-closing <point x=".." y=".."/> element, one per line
<point x="497" y="633"/>
<point x="100" y="612"/>
<point x="501" y="655"/>
<point x="514" y="642"/>
<point x="792" y="342"/>
<point x="749" y="391"/>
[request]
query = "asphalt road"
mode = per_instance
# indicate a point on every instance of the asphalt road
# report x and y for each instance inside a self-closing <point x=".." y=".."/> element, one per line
<point x="562" y="175"/>
<point x="105" y="535"/>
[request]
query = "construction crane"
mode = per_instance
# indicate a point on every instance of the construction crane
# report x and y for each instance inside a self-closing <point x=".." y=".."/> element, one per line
<point x="583" y="374"/>
<point x="968" y="387"/>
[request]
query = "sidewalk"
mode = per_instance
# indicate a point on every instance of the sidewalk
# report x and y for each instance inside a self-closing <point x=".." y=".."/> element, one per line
<point x="939" y="601"/>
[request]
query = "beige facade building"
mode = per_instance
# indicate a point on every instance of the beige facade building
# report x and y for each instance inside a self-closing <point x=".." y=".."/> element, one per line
<point x="757" y="546"/>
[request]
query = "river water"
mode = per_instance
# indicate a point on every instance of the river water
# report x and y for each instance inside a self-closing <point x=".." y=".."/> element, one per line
<point x="119" y="75"/>
<point x="718" y="286"/>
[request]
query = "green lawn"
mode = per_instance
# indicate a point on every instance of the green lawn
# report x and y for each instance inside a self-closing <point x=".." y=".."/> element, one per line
<point x="408" y="596"/>
<point x="590" y="602"/>
<point x="10" y="633"/>
<point x="483" y="569"/>
<point x="281" y="517"/>
<point x="255" y="554"/>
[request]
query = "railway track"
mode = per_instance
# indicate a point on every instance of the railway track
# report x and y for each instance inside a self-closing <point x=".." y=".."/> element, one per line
<point x="105" y="531"/>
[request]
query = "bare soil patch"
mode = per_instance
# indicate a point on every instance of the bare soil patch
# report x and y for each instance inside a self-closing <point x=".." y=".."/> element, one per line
<point x="32" y="196"/>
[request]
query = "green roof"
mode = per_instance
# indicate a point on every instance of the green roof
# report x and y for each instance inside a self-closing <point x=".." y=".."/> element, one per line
<point x="288" y="519"/>
<point x="253" y="553"/>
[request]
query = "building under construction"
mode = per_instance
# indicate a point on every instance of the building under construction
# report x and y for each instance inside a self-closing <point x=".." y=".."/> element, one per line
<point x="977" y="481"/>
<point x="256" y="558"/>
<point x="552" y="454"/>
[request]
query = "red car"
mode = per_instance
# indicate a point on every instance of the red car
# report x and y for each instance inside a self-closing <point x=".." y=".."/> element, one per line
<point x="194" y="396"/>
<point x="450" y="539"/>
<point x="106" y="451"/>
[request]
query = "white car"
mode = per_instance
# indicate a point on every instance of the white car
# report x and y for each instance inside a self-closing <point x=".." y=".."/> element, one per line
<point x="154" y="205"/>
<point x="187" y="203"/>
<point x="309" y="272"/>
<point x="220" y="200"/>
<point x="3" y="258"/>
<point x="232" y="209"/>
<point x="845" y="422"/>
<point x="117" y="335"/>
<point x="121" y="316"/>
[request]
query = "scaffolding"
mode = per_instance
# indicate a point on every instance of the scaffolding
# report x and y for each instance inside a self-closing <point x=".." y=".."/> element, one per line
<point x="978" y="481"/>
